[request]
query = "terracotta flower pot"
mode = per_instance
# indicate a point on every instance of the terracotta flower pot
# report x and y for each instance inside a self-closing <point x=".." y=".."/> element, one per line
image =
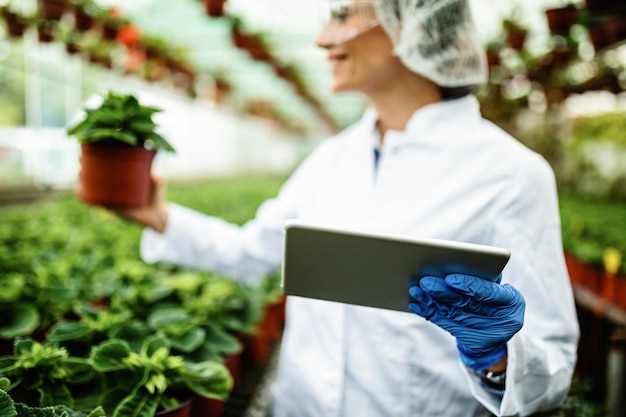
<point x="45" y="29"/>
<point x="614" y="290"/>
<point x="207" y="407"/>
<point x="82" y="20"/>
<point x="584" y="274"/>
<point x="115" y="176"/>
<point x="181" y="410"/>
<point x="232" y="363"/>
<point x="561" y="20"/>
<point x="516" y="39"/>
<point x="214" y="8"/>
<point x="256" y="349"/>
<point x="52" y="9"/>
<point x="16" y="26"/>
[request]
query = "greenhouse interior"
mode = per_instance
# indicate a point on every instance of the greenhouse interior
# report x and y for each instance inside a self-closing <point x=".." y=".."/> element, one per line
<point x="237" y="95"/>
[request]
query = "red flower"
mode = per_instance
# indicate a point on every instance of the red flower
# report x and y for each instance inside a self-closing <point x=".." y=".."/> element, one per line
<point x="129" y="35"/>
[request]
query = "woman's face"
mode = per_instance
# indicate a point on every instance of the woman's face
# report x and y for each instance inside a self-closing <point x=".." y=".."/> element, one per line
<point x="363" y="62"/>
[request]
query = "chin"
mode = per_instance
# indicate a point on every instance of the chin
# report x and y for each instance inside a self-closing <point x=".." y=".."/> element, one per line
<point x="339" y="87"/>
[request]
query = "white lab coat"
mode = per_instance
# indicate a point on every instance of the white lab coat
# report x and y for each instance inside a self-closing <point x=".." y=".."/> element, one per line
<point x="449" y="175"/>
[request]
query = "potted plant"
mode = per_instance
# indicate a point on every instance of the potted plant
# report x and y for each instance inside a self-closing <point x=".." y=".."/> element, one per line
<point x="11" y="408"/>
<point x="140" y="383"/>
<point x="42" y="374"/>
<point x="561" y="19"/>
<point x="52" y="9"/>
<point x="17" y="19"/>
<point x="118" y="141"/>
<point x="515" y="33"/>
<point x="214" y="8"/>
<point x="83" y="12"/>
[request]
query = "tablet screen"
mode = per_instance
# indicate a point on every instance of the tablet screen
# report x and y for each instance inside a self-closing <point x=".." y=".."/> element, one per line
<point x="371" y="268"/>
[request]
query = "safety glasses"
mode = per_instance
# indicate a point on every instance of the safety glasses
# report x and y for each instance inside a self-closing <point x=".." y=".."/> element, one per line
<point x="346" y="19"/>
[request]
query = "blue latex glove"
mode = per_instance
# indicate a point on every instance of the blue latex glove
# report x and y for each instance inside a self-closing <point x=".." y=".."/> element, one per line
<point x="482" y="315"/>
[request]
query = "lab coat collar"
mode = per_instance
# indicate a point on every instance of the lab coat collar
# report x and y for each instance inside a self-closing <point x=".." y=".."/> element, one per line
<point x="426" y="117"/>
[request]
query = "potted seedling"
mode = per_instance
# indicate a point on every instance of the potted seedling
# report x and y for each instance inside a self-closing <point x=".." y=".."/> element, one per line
<point x="118" y="141"/>
<point x="43" y="374"/>
<point x="140" y="383"/>
<point x="10" y="408"/>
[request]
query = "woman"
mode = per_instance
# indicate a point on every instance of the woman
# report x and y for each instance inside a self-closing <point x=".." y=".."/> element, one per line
<point x="421" y="161"/>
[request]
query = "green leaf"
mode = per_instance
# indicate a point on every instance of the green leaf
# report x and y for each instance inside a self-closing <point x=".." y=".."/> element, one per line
<point x="22" y="320"/>
<point x="112" y="397"/>
<point x="159" y="142"/>
<point x="130" y="103"/>
<point x="165" y="316"/>
<point x="7" y="364"/>
<point x="154" y="343"/>
<point x="134" y="333"/>
<point x="188" y="341"/>
<point x="147" y="111"/>
<point x="138" y="404"/>
<point x="64" y="331"/>
<point x="4" y="383"/>
<point x="209" y="379"/>
<point x="7" y="406"/>
<point x="23" y="345"/>
<point x="79" y="127"/>
<point x="143" y="126"/>
<point x="80" y="370"/>
<point x="110" y="118"/>
<point x="55" y="394"/>
<point x="97" y="412"/>
<point x="99" y="134"/>
<point x="222" y="341"/>
<point x="109" y="355"/>
<point x="62" y="410"/>
<point x="25" y="411"/>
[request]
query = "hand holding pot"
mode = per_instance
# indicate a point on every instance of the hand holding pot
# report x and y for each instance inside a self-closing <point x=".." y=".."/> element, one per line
<point x="154" y="214"/>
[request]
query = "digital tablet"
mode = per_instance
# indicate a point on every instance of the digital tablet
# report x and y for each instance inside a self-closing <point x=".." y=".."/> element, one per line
<point x="371" y="268"/>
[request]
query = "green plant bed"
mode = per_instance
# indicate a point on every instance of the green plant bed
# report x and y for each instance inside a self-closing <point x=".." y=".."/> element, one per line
<point x="594" y="228"/>
<point x="234" y="199"/>
<point x="72" y="276"/>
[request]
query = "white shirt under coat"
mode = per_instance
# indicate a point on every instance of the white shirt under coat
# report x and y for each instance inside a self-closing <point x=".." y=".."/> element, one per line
<point x="449" y="175"/>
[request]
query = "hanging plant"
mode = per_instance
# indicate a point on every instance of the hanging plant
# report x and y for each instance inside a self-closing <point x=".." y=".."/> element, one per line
<point x="214" y="8"/>
<point x="561" y="19"/>
<point x="100" y="52"/>
<point x="15" y="23"/>
<point x="515" y="33"/>
<point x="493" y="53"/>
<point x="111" y="22"/>
<point x="70" y="38"/>
<point x="52" y="9"/>
<point x="83" y="12"/>
<point x="45" y="30"/>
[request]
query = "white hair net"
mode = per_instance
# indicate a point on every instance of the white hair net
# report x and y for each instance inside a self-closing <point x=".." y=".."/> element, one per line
<point x="436" y="39"/>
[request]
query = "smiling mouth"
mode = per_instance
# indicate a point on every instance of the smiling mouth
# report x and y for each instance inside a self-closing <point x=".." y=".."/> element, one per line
<point x="337" y="57"/>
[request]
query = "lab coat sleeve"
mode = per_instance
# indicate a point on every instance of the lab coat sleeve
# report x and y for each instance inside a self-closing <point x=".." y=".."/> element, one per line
<point x="542" y="356"/>
<point x="202" y="242"/>
<point x="246" y="253"/>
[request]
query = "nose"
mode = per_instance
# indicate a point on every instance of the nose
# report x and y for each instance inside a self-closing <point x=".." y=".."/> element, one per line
<point x="324" y="39"/>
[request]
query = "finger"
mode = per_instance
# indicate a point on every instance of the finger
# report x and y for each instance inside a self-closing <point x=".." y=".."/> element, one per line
<point x="437" y="288"/>
<point x="435" y="317"/>
<point x="443" y="308"/>
<point x="422" y="310"/>
<point x="480" y="289"/>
